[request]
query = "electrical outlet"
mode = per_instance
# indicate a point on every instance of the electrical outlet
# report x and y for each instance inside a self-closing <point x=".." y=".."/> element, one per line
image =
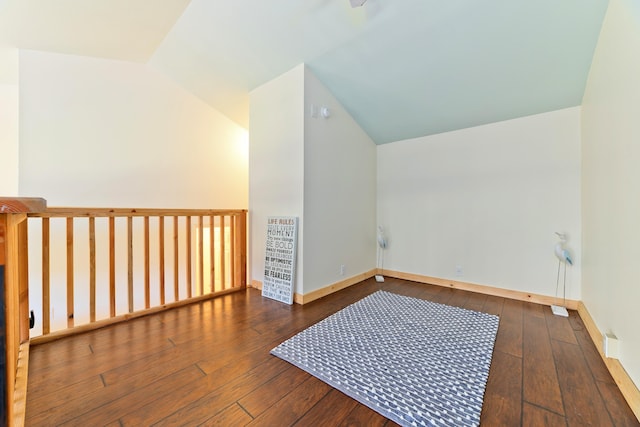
<point x="342" y="269"/>
<point x="611" y="346"/>
<point x="458" y="270"/>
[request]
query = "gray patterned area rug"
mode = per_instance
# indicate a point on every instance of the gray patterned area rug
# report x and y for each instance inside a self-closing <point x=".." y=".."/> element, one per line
<point x="416" y="362"/>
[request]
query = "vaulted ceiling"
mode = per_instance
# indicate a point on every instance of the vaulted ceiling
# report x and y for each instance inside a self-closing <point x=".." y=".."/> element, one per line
<point x="402" y="68"/>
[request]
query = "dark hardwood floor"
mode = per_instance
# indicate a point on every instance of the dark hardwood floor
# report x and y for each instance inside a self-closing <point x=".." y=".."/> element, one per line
<point x="209" y="364"/>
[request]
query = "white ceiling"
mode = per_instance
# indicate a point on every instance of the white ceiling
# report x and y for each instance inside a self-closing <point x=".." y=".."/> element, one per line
<point x="403" y="68"/>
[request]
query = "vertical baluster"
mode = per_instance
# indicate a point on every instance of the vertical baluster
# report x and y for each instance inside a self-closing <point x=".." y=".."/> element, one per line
<point x="130" y="262"/>
<point x="161" y="256"/>
<point x="212" y="253"/>
<point x="46" y="276"/>
<point x="223" y="259"/>
<point x="70" y="273"/>
<point x="188" y="256"/>
<point x="147" y="297"/>
<point x="112" y="266"/>
<point x="200" y="256"/>
<point x="232" y="241"/>
<point x="176" y="280"/>
<point x="92" y="268"/>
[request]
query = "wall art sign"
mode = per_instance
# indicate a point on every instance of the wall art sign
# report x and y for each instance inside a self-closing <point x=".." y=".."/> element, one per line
<point x="280" y="258"/>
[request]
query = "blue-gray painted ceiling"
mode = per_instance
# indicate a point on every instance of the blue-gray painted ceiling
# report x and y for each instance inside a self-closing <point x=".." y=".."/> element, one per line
<point x="402" y="68"/>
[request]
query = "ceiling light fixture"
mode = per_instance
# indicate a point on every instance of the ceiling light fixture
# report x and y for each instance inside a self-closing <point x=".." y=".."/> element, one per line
<point x="357" y="3"/>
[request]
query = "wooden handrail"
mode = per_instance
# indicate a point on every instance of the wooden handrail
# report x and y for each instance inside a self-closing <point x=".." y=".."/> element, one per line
<point x="63" y="212"/>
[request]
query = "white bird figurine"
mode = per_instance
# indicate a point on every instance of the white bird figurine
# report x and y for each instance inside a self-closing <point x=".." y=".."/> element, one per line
<point x="561" y="252"/>
<point x="564" y="257"/>
<point x="382" y="241"/>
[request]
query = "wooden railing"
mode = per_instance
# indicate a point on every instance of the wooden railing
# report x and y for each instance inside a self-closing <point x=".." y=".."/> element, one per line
<point x="101" y="266"/>
<point x="91" y="267"/>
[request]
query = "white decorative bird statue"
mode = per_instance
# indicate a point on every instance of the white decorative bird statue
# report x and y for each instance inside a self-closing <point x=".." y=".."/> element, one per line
<point x="382" y="242"/>
<point x="564" y="257"/>
<point x="561" y="252"/>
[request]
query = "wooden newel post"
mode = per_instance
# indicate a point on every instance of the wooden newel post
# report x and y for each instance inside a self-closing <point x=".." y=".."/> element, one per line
<point x="240" y="253"/>
<point x="14" y="300"/>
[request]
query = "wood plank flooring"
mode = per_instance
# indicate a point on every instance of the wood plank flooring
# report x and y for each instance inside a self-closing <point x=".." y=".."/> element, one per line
<point x="208" y="364"/>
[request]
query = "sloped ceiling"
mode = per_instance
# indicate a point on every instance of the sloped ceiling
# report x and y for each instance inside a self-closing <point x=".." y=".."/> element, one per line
<point x="403" y="68"/>
<point x="129" y="30"/>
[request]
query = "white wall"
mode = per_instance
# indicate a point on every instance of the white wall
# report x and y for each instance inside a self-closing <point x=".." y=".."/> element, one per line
<point x="340" y="192"/>
<point x="8" y="121"/>
<point x="276" y="163"/>
<point x="320" y="170"/>
<point x="487" y="199"/>
<point x="96" y="132"/>
<point x="611" y="182"/>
